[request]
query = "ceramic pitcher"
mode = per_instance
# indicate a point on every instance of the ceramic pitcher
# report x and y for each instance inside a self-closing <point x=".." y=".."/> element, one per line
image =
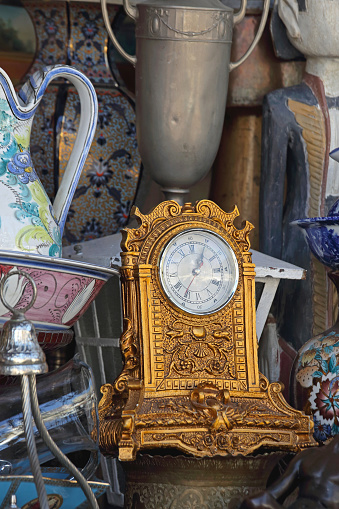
<point x="28" y="223"/>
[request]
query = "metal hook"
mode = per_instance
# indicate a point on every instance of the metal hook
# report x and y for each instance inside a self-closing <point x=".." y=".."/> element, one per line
<point x="2" y="290"/>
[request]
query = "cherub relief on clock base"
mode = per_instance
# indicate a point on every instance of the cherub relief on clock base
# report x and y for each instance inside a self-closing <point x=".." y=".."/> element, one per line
<point x="190" y="379"/>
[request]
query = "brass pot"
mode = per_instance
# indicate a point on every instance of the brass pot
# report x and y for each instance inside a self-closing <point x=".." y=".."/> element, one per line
<point x="182" y="482"/>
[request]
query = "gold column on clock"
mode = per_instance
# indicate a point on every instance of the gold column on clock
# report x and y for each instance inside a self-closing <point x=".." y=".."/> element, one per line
<point x="190" y="379"/>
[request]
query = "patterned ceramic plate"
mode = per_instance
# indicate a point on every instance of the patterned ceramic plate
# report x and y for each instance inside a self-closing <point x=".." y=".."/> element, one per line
<point x="61" y="493"/>
<point x="65" y="288"/>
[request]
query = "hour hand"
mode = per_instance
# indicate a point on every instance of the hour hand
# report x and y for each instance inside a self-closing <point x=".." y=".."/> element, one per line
<point x="200" y="263"/>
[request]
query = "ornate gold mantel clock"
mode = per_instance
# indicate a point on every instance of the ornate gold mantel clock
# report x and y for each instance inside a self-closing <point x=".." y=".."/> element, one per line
<point x="190" y="379"/>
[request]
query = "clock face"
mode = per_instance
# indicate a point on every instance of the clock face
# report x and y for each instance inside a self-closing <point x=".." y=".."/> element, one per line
<point x="199" y="271"/>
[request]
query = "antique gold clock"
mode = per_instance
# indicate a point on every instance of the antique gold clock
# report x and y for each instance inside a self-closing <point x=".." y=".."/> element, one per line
<point x="198" y="271"/>
<point x="190" y="379"/>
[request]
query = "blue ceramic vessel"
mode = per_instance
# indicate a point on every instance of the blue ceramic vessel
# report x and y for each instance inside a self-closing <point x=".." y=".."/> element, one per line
<point x="322" y="234"/>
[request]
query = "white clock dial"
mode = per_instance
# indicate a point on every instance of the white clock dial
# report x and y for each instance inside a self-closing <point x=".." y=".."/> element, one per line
<point x="199" y="271"/>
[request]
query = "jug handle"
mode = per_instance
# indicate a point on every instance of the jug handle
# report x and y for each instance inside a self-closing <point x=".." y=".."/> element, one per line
<point x="85" y="134"/>
<point x="132" y="13"/>
<point x="237" y="18"/>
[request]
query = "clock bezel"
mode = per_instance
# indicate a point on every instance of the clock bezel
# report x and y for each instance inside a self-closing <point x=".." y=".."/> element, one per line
<point x="162" y="278"/>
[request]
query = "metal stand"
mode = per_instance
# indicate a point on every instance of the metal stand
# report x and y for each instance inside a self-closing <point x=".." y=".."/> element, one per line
<point x="21" y="355"/>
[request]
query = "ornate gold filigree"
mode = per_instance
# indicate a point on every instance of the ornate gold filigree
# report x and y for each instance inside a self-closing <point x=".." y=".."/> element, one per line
<point x="167" y="211"/>
<point x="131" y="239"/>
<point x="130" y="352"/>
<point x="211" y="210"/>
<point x="207" y="350"/>
<point x="217" y="405"/>
<point x="105" y="403"/>
<point x="191" y="382"/>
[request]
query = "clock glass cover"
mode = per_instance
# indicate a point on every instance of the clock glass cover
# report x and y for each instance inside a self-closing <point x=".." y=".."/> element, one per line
<point x="199" y="271"/>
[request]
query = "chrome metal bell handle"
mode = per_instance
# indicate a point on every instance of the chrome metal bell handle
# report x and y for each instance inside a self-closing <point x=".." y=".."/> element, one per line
<point x="133" y="13"/>
<point x="31" y="281"/>
<point x="239" y="16"/>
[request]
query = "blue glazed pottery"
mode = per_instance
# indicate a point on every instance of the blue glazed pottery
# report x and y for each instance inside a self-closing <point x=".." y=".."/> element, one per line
<point x="74" y="32"/>
<point x="322" y="234"/>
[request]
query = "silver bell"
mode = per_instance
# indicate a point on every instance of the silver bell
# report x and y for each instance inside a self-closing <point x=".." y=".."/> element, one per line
<point x="20" y="352"/>
<point x="12" y="503"/>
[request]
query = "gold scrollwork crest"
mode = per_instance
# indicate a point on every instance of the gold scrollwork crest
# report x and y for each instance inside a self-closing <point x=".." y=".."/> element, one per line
<point x="166" y="211"/>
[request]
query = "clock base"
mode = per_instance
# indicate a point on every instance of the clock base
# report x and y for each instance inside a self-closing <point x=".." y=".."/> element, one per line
<point x="206" y="422"/>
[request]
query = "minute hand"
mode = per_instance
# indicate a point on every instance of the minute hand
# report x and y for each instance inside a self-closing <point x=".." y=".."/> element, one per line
<point x="196" y="271"/>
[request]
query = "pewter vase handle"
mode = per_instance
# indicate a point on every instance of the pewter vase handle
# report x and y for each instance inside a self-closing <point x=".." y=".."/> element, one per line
<point x="132" y="13"/>
<point x="239" y="16"/>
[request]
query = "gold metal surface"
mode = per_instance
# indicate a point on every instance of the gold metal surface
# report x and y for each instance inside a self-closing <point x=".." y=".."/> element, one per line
<point x="191" y="382"/>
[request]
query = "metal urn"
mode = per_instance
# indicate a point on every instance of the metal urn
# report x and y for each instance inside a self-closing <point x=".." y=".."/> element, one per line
<point x="182" y="68"/>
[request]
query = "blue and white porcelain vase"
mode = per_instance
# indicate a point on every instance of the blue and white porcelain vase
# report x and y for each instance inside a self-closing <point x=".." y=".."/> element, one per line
<point x="73" y="33"/>
<point x="28" y="223"/>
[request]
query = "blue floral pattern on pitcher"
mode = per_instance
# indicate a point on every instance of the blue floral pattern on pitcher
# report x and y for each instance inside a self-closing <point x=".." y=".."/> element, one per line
<point x="22" y="166"/>
<point x="20" y="182"/>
